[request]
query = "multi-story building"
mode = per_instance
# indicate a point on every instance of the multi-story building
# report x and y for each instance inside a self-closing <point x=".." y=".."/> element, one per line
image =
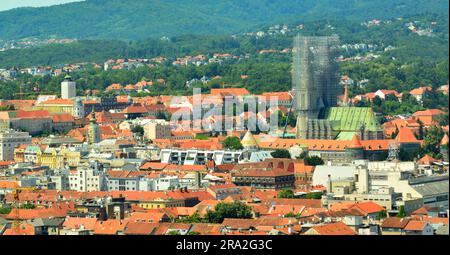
<point x="265" y="179"/>
<point x="157" y="129"/>
<point x="220" y="157"/>
<point x="57" y="158"/>
<point x="33" y="122"/>
<point x="124" y="180"/>
<point x="9" y="140"/>
<point x="57" y="106"/>
<point x="87" y="178"/>
<point x="390" y="184"/>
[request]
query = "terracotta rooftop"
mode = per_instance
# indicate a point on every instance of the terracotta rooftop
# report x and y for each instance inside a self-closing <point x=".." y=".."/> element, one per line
<point x="337" y="228"/>
<point x="395" y="222"/>
<point x="405" y="135"/>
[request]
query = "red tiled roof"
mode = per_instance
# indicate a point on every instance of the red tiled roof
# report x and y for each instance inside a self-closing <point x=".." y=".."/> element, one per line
<point x="405" y="135"/>
<point x="33" y="114"/>
<point x="355" y="143"/>
<point x="26" y="214"/>
<point x="65" y="117"/>
<point x="58" y="101"/>
<point x="420" y="91"/>
<point x="395" y="222"/>
<point x="415" y="225"/>
<point x="140" y="228"/>
<point x="337" y="228"/>
<point x="153" y="166"/>
<point x="109" y="227"/>
<point x="77" y="223"/>
<point x="230" y="91"/>
<point x="368" y="207"/>
<point x="22" y="229"/>
<point x="8" y="184"/>
<point x="429" y="112"/>
<point x="186" y="168"/>
<point x="427" y="160"/>
<point x="135" y="109"/>
<point x="147" y="217"/>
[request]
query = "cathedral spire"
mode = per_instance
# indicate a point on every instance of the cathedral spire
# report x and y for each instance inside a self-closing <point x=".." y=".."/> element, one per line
<point x="93" y="119"/>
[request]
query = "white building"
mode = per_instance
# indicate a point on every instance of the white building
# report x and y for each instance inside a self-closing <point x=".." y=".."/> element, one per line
<point x="68" y="88"/>
<point x="10" y="139"/>
<point x="87" y="179"/>
<point x="220" y="157"/>
<point x="161" y="183"/>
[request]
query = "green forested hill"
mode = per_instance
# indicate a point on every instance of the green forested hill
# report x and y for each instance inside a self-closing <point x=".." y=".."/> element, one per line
<point x="138" y="19"/>
<point x="409" y="47"/>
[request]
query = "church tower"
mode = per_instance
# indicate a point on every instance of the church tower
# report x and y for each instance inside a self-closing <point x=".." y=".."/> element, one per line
<point x="314" y="80"/>
<point x="93" y="134"/>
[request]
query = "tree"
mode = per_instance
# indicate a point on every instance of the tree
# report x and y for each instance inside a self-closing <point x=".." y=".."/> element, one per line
<point x="28" y="206"/>
<point x="232" y="143"/>
<point x="173" y="233"/>
<point x="432" y="141"/>
<point x="421" y="130"/>
<point x="314" y="195"/>
<point x="193" y="233"/>
<point x="395" y="133"/>
<point x="286" y="193"/>
<point x="194" y="218"/>
<point x="314" y="161"/>
<point x="236" y="210"/>
<point x="201" y="137"/>
<point x="292" y="215"/>
<point x="401" y="212"/>
<point x="381" y="215"/>
<point x="138" y="130"/>
<point x="5" y="210"/>
<point x="303" y="155"/>
<point x="281" y="153"/>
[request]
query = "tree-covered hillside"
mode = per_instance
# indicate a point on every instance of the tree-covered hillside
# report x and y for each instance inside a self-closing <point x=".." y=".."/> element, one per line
<point x="139" y="19"/>
<point x="409" y="47"/>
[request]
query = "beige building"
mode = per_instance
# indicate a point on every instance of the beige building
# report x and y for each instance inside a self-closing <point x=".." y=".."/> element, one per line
<point x="157" y="129"/>
<point x="390" y="184"/>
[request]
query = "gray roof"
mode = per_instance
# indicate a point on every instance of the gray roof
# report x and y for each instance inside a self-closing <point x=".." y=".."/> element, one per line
<point x="49" y="222"/>
<point x="432" y="188"/>
<point x="59" y="140"/>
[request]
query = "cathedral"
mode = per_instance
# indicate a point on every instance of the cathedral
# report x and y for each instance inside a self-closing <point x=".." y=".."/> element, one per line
<point x="315" y="78"/>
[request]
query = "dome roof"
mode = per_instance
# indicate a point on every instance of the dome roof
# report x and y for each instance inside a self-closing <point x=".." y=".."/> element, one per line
<point x="248" y="141"/>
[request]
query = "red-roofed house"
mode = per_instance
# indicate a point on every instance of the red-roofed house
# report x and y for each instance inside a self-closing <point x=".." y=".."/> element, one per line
<point x="338" y="228"/>
<point x="419" y="92"/>
<point x="428" y="117"/>
<point x="415" y="227"/>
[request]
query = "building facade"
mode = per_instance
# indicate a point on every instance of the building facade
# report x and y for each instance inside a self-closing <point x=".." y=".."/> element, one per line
<point x="11" y="139"/>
